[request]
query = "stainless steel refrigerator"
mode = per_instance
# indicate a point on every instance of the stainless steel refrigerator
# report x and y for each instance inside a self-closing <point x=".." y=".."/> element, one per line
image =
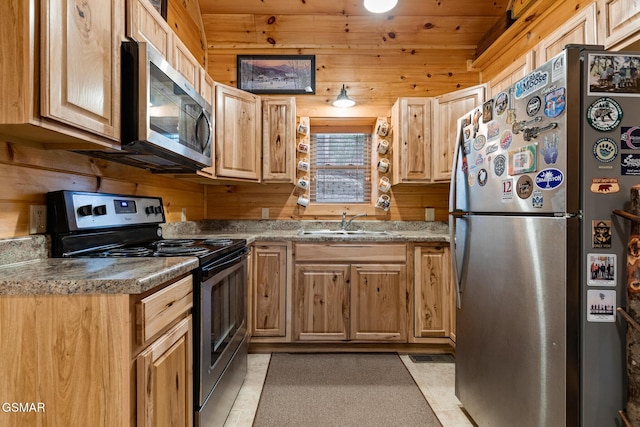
<point x="538" y="257"/>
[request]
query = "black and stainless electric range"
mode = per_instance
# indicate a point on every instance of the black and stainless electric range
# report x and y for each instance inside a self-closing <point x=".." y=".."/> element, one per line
<point x="99" y="225"/>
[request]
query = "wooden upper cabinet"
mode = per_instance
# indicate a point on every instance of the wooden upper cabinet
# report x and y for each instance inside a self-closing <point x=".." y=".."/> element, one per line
<point x="144" y="23"/>
<point x="580" y="29"/>
<point x="511" y="74"/>
<point x="447" y="109"/>
<point x="411" y="127"/>
<point x="60" y="81"/>
<point x="621" y="20"/>
<point x="186" y="64"/>
<point x="238" y="131"/>
<point x="81" y="66"/>
<point x="278" y="139"/>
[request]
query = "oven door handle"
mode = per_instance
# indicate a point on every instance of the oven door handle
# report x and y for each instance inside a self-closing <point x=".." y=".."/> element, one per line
<point x="215" y="267"/>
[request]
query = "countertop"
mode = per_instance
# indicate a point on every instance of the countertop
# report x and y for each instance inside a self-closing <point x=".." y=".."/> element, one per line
<point x="91" y="275"/>
<point x="26" y="270"/>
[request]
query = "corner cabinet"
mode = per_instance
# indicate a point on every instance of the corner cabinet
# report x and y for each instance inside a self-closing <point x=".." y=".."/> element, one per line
<point x="411" y="127"/>
<point x="278" y="139"/>
<point x="61" y="86"/>
<point x="447" y="109"/>
<point x="424" y="134"/>
<point x="238" y="134"/>
<point x="433" y="294"/>
<point x="350" y="292"/>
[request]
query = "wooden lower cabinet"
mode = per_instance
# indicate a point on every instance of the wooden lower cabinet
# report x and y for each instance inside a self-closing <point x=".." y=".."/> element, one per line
<point x="268" y="296"/>
<point x="379" y="302"/>
<point x="347" y="292"/>
<point x="433" y="295"/>
<point x="164" y="375"/>
<point x="98" y="360"/>
<point x="321" y="298"/>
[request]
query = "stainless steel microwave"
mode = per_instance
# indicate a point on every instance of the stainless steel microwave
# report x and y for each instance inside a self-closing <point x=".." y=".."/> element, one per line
<point x="166" y="123"/>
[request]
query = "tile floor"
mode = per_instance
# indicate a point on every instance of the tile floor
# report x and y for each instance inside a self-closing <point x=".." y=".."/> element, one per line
<point x="436" y="381"/>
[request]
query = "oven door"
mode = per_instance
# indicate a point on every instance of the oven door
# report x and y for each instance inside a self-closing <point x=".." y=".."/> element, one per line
<point x="222" y="317"/>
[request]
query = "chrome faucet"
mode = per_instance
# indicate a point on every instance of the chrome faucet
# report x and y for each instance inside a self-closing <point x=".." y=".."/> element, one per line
<point x="346" y="223"/>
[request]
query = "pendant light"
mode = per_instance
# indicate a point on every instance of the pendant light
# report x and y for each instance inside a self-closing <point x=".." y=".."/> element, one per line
<point x="380" y="6"/>
<point x="343" y="100"/>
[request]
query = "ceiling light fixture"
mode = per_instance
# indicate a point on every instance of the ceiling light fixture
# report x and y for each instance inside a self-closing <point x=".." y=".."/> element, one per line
<point x="380" y="6"/>
<point x="343" y="100"/>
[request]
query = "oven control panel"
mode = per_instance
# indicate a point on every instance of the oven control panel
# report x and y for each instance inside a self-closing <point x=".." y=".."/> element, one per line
<point x="85" y="210"/>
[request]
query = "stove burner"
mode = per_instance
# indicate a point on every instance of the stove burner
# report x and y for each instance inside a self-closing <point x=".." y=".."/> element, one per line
<point x="128" y="252"/>
<point x="174" y="242"/>
<point x="181" y="250"/>
<point x="217" y="242"/>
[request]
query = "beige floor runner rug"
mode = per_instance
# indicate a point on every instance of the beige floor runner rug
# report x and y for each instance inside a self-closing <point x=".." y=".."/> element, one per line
<point x="341" y="390"/>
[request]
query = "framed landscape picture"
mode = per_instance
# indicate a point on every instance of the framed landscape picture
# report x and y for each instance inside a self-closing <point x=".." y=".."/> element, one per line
<point x="161" y="7"/>
<point x="277" y="74"/>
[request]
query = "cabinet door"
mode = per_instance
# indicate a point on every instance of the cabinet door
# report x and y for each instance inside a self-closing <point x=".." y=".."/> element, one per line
<point x="321" y="302"/>
<point x="278" y="139"/>
<point x="511" y="74"/>
<point x="269" y="291"/>
<point x="237" y="134"/>
<point x="411" y="127"/>
<point x="379" y="302"/>
<point x="164" y="375"/>
<point x="580" y="29"/>
<point x="80" y="65"/>
<point x="447" y="109"/>
<point x="144" y="24"/>
<point x="186" y="64"/>
<point x="621" y="22"/>
<point x="432" y="292"/>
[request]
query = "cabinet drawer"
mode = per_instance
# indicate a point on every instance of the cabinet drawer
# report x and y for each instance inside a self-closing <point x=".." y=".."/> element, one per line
<point x="351" y="252"/>
<point x="162" y="308"/>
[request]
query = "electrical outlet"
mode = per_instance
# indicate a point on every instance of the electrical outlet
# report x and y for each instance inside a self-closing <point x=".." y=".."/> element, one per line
<point x="183" y="215"/>
<point x="429" y="214"/>
<point x="37" y="219"/>
<point x="265" y="213"/>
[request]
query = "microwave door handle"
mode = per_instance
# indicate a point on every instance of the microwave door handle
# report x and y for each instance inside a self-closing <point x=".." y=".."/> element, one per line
<point x="205" y="142"/>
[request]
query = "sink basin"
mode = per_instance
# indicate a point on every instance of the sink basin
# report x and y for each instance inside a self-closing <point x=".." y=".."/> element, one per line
<point x="345" y="233"/>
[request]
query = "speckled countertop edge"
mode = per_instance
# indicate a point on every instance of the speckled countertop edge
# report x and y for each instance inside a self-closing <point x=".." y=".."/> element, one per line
<point x="91" y="275"/>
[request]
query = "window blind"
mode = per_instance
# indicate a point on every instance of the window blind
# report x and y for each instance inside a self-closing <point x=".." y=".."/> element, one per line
<point x="340" y="168"/>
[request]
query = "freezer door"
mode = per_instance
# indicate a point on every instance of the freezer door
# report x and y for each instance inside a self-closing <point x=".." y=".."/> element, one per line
<point x="512" y="150"/>
<point x="513" y="351"/>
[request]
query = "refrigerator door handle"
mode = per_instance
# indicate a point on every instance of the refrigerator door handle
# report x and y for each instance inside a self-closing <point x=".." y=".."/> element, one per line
<point x="457" y="276"/>
<point x="454" y="214"/>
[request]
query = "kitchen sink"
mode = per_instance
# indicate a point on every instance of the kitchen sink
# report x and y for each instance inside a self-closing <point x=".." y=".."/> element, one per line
<point x="328" y="232"/>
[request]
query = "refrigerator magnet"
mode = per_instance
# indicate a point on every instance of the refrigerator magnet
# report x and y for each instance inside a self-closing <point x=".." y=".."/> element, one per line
<point x="604" y="114"/>
<point x="522" y="160"/>
<point x="601" y="305"/>
<point x="554" y="103"/>
<point x="605" y="150"/>
<point x="601" y="233"/>
<point x="487" y="111"/>
<point x="537" y="200"/>
<point x="601" y="269"/>
<point x="630" y="164"/>
<point x="604" y="185"/>
<point x="502" y="100"/>
<point x="630" y="137"/>
<point x="524" y="187"/>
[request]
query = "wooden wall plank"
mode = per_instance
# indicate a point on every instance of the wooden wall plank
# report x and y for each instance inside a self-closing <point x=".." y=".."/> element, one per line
<point x="28" y="173"/>
<point x="245" y="201"/>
